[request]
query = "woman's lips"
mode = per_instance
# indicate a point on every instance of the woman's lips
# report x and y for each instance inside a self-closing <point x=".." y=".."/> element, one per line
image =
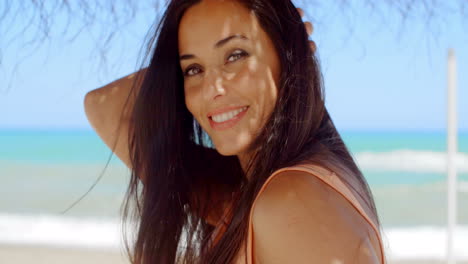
<point x="224" y="110"/>
<point x="228" y="123"/>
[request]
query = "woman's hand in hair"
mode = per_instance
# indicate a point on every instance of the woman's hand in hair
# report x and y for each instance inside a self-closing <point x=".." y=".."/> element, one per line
<point x="109" y="114"/>
<point x="310" y="29"/>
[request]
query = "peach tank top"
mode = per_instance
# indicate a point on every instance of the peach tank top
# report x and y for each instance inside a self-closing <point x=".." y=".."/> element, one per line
<point x="328" y="177"/>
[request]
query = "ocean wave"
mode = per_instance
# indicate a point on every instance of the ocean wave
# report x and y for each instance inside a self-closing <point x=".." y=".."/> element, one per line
<point x="59" y="231"/>
<point x="423" y="242"/>
<point x="410" y="160"/>
<point x="462" y="186"/>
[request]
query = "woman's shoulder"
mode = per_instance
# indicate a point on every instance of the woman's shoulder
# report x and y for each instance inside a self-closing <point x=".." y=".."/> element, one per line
<point x="307" y="187"/>
<point x="313" y="214"/>
<point x="319" y="182"/>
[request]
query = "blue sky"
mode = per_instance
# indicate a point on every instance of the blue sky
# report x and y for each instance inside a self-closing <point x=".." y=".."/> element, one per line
<point x="378" y="75"/>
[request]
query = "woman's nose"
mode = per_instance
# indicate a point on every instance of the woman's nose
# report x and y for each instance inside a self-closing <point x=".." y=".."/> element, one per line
<point x="213" y="85"/>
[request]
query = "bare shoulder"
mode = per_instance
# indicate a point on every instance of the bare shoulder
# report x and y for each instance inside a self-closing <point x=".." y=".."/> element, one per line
<point x="300" y="219"/>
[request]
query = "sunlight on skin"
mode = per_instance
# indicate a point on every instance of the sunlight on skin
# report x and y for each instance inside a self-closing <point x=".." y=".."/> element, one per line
<point x="366" y="251"/>
<point x="258" y="47"/>
<point x="127" y="111"/>
<point x="336" y="261"/>
<point x="217" y="81"/>
<point x="227" y="26"/>
<point x="255" y="29"/>
<point x="114" y="89"/>
<point x="102" y="98"/>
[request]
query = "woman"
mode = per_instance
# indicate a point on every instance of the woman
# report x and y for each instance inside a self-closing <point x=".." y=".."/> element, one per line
<point x="237" y="156"/>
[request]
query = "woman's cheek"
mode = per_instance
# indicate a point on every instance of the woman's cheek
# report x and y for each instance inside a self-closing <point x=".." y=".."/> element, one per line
<point x="194" y="103"/>
<point x="190" y="99"/>
<point x="244" y="78"/>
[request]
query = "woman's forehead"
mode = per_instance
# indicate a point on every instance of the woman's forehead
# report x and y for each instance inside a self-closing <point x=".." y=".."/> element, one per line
<point x="212" y="20"/>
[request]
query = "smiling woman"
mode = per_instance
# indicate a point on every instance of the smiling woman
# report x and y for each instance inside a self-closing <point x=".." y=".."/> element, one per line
<point x="279" y="186"/>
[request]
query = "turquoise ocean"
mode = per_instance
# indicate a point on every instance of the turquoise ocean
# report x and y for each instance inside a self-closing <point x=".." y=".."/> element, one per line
<point x="44" y="172"/>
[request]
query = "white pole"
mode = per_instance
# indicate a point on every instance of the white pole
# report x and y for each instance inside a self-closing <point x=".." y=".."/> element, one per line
<point x="451" y="153"/>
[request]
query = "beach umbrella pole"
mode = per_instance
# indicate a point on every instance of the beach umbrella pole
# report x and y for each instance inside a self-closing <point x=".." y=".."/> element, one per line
<point x="451" y="154"/>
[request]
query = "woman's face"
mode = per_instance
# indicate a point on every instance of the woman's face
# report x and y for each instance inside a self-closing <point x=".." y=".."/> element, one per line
<point x="231" y="72"/>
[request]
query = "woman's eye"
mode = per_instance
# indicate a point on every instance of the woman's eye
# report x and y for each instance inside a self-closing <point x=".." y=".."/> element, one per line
<point x="237" y="55"/>
<point x="191" y="71"/>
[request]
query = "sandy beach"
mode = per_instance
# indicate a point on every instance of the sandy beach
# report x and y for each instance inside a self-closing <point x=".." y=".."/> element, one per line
<point x="14" y="254"/>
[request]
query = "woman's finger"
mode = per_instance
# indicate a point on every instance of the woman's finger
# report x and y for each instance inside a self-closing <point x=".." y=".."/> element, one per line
<point x="309" y="27"/>
<point x="301" y="12"/>
<point x="313" y="46"/>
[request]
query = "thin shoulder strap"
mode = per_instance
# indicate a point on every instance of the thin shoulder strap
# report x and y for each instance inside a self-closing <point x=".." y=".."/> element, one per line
<point x="331" y="179"/>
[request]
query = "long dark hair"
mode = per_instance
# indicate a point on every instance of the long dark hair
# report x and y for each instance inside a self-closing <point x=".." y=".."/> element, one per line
<point x="176" y="173"/>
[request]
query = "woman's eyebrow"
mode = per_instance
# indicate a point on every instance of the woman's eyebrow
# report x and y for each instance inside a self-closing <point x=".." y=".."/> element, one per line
<point x="224" y="41"/>
<point x="217" y="45"/>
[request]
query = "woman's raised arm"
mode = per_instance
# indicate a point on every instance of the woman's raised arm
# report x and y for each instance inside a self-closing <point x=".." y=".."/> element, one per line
<point x="106" y="108"/>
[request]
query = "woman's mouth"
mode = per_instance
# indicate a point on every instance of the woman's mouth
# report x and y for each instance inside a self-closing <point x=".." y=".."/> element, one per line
<point x="227" y="120"/>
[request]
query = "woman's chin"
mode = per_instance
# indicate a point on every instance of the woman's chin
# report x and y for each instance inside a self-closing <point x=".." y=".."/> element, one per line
<point x="227" y="149"/>
<point x="231" y="146"/>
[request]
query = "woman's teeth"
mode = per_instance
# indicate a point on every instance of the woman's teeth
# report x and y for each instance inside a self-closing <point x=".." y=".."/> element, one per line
<point x="226" y="116"/>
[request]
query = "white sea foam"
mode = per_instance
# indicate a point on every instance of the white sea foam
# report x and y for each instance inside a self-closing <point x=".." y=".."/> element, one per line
<point x="59" y="231"/>
<point x="410" y="160"/>
<point x="462" y="186"/>
<point x="423" y="242"/>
